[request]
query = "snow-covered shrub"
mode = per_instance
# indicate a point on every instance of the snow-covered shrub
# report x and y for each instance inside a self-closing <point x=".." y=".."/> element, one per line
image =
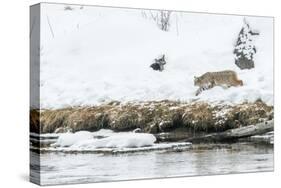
<point x="245" y="49"/>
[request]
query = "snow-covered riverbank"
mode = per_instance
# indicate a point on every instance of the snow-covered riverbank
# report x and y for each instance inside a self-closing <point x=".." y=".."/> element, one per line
<point x="105" y="141"/>
<point x="95" y="55"/>
<point x="108" y="141"/>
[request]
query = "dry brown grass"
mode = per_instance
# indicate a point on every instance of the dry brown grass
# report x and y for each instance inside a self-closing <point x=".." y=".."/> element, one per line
<point x="34" y="117"/>
<point x="155" y="117"/>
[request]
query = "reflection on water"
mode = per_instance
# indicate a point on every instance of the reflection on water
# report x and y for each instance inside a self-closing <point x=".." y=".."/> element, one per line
<point x="61" y="168"/>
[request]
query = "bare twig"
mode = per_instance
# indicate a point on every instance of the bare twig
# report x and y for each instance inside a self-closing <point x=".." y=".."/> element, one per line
<point x="51" y="29"/>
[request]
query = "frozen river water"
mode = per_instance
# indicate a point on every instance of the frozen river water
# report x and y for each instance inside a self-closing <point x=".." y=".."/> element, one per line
<point x="241" y="157"/>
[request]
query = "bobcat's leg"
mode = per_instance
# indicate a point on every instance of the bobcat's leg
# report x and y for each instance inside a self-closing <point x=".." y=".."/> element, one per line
<point x="205" y="87"/>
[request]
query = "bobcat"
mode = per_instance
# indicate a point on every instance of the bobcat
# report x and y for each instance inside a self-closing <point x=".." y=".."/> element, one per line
<point x="209" y="80"/>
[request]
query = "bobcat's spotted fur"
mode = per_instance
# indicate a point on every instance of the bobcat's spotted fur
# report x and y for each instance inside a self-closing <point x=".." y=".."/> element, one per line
<point x="209" y="80"/>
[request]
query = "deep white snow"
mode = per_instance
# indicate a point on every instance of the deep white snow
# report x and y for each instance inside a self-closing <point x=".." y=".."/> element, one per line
<point x="91" y="55"/>
<point x="84" y="140"/>
<point x="68" y="139"/>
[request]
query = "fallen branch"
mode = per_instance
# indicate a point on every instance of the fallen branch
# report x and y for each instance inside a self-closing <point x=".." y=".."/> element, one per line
<point x="234" y="134"/>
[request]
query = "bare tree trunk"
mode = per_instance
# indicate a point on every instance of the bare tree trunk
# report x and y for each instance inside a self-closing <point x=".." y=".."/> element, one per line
<point x="165" y="20"/>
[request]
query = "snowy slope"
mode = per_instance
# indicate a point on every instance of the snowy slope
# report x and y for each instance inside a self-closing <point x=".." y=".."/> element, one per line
<point x="92" y="55"/>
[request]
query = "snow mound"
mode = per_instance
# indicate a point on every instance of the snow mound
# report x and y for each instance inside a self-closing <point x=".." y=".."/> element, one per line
<point x="68" y="139"/>
<point x="87" y="140"/>
<point x="129" y="140"/>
